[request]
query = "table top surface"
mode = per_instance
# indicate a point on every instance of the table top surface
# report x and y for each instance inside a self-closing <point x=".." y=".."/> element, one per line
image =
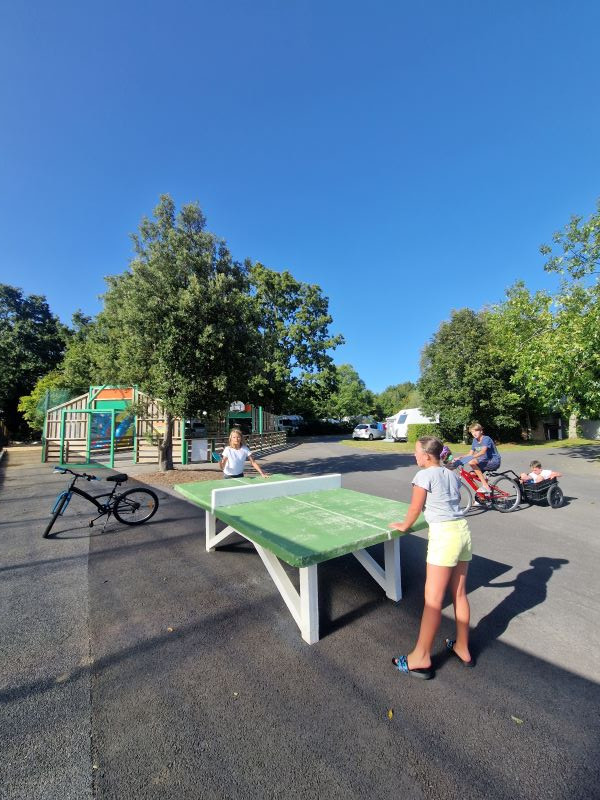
<point x="308" y="528"/>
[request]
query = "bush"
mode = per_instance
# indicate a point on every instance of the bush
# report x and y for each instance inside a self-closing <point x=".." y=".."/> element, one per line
<point x="423" y="429"/>
<point x="317" y="427"/>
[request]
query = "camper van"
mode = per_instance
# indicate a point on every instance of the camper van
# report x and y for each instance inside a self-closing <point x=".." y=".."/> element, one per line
<point x="397" y="426"/>
<point x="290" y="423"/>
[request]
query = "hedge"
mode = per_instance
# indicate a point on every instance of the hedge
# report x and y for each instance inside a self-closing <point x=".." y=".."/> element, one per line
<point x="415" y="431"/>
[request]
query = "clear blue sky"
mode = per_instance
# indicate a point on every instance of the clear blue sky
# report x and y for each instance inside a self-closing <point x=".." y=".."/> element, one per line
<point x="409" y="158"/>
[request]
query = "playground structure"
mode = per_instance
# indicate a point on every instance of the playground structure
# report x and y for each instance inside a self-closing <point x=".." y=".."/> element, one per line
<point x="111" y="423"/>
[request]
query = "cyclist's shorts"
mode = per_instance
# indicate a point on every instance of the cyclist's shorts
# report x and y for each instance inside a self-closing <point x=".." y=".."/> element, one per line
<point x="449" y="543"/>
<point x="489" y="464"/>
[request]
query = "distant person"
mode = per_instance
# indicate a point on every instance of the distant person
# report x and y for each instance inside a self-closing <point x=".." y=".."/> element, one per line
<point x="235" y="455"/>
<point x="448" y="556"/>
<point x="538" y="474"/>
<point x="485" y="455"/>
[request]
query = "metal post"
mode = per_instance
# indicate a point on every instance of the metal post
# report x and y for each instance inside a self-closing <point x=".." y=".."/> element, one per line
<point x="112" y="439"/>
<point x="62" y="436"/>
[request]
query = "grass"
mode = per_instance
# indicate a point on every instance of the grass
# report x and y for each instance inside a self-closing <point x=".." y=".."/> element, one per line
<point x="379" y="446"/>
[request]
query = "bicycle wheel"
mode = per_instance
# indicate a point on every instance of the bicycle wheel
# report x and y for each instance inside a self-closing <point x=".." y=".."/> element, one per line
<point x="466" y="498"/>
<point x="555" y="496"/>
<point x="135" y="506"/>
<point x="506" y="494"/>
<point x="57" y="511"/>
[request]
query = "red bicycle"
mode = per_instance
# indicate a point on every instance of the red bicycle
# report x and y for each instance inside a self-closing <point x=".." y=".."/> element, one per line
<point x="504" y="494"/>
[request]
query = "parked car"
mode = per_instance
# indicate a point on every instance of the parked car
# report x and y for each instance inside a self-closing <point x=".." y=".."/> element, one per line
<point x="368" y="430"/>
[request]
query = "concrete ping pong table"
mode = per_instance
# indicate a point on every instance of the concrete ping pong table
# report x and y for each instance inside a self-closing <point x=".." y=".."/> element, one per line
<point x="303" y="522"/>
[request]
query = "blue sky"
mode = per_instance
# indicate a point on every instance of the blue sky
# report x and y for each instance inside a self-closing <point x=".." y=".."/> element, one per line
<point x="409" y="158"/>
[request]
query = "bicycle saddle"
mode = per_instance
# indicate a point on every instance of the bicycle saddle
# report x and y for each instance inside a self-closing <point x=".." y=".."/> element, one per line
<point x="120" y="477"/>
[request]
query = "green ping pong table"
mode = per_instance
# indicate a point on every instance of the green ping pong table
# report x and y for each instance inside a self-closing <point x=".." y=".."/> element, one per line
<point x="304" y="522"/>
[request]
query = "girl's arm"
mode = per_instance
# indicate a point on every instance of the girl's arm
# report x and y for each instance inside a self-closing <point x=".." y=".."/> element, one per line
<point x="257" y="467"/>
<point x="417" y="502"/>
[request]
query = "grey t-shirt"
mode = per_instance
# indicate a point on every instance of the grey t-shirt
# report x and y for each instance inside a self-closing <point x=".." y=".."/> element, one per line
<point x="443" y="493"/>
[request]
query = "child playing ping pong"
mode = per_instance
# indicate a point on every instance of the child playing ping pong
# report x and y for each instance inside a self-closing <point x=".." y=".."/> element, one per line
<point x="448" y="556"/>
<point x="235" y="455"/>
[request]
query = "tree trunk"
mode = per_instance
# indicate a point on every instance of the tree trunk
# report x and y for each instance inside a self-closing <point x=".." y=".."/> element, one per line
<point x="573" y="420"/>
<point x="165" y="448"/>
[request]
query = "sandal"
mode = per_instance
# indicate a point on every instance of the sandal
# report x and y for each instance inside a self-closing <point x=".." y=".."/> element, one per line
<point x="401" y="664"/>
<point x="450" y="648"/>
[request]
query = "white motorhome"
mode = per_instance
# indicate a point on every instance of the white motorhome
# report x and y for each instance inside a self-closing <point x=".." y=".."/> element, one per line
<point x="289" y="423"/>
<point x="397" y="426"/>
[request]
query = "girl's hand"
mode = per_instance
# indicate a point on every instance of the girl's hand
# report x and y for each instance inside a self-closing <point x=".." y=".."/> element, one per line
<point x="399" y="526"/>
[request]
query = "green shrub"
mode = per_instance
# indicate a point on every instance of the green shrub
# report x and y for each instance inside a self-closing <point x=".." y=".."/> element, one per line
<point x="423" y="429"/>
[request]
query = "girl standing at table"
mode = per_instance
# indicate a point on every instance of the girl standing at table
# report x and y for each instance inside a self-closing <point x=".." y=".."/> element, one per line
<point x="235" y="455"/>
<point x="448" y="556"/>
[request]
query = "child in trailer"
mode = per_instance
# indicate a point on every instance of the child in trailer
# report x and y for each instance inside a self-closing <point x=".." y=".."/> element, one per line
<point x="235" y="455"/>
<point x="538" y="474"/>
<point x="448" y="556"/>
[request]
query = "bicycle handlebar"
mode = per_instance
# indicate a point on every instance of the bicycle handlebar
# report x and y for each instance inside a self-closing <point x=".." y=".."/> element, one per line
<point x="77" y="474"/>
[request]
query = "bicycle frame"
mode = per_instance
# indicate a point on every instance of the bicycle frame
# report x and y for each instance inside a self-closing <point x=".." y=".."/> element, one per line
<point x="103" y="508"/>
<point x="498" y="497"/>
<point x="471" y="479"/>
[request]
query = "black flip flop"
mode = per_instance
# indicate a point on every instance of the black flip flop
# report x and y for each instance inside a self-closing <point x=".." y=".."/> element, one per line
<point x="450" y="648"/>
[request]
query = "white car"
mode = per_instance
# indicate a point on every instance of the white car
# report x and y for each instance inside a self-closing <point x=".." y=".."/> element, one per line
<point x="368" y="430"/>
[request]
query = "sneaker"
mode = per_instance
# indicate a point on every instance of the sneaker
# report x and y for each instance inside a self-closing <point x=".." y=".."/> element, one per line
<point x="484" y="491"/>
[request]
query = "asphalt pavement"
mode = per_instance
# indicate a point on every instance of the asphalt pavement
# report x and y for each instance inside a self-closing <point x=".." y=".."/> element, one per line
<point x="136" y="665"/>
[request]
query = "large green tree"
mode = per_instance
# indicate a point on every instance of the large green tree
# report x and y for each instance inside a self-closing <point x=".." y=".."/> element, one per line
<point x="554" y="347"/>
<point x="196" y="329"/>
<point x="554" y="339"/>
<point x="32" y="342"/>
<point x="296" y="372"/>
<point x="180" y="322"/>
<point x="465" y="377"/>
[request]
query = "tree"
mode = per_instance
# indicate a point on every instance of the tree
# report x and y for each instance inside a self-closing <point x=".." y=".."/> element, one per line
<point x="554" y="342"/>
<point x="578" y="247"/>
<point x="296" y="371"/>
<point x="352" y="398"/>
<point x="32" y="342"/>
<point x="393" y="398"/>
<point x="71" y="377"/>
<point x="465" y="377"/>
<point x="180" y="322"/>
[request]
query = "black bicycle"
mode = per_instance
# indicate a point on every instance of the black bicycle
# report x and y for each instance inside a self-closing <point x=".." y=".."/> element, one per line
<point x="131" y="507"/>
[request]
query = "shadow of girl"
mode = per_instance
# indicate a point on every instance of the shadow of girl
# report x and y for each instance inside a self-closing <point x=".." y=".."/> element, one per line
<point x="529" y="591"/>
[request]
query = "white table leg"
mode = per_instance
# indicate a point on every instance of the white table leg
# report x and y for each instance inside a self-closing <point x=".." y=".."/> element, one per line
<point x="213" y="538"/>
<point x="389" y="577"/>
<point x="393" y="575"/>
<point x="309" y="604"/>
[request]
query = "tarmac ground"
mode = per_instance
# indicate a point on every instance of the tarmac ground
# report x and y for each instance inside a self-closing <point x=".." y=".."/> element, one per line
<point x="134" y="664"/>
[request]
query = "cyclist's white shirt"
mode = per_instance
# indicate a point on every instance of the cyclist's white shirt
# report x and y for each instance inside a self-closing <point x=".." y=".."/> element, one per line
<point x="236" y="459"/>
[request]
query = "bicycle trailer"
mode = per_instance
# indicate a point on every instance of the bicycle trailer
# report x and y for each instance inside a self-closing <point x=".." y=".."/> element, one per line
<point x="545" y="491"/>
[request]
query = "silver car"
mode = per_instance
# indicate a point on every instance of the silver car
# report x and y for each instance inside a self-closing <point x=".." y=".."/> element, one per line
<point x="368" y="430"/>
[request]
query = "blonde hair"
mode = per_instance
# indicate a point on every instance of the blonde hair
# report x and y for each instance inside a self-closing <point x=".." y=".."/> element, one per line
<point x="232" y="432"/>
<point x="475" y="427"/>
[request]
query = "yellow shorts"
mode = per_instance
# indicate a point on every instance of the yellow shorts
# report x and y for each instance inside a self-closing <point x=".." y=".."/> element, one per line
<point x="449" y="543"/>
